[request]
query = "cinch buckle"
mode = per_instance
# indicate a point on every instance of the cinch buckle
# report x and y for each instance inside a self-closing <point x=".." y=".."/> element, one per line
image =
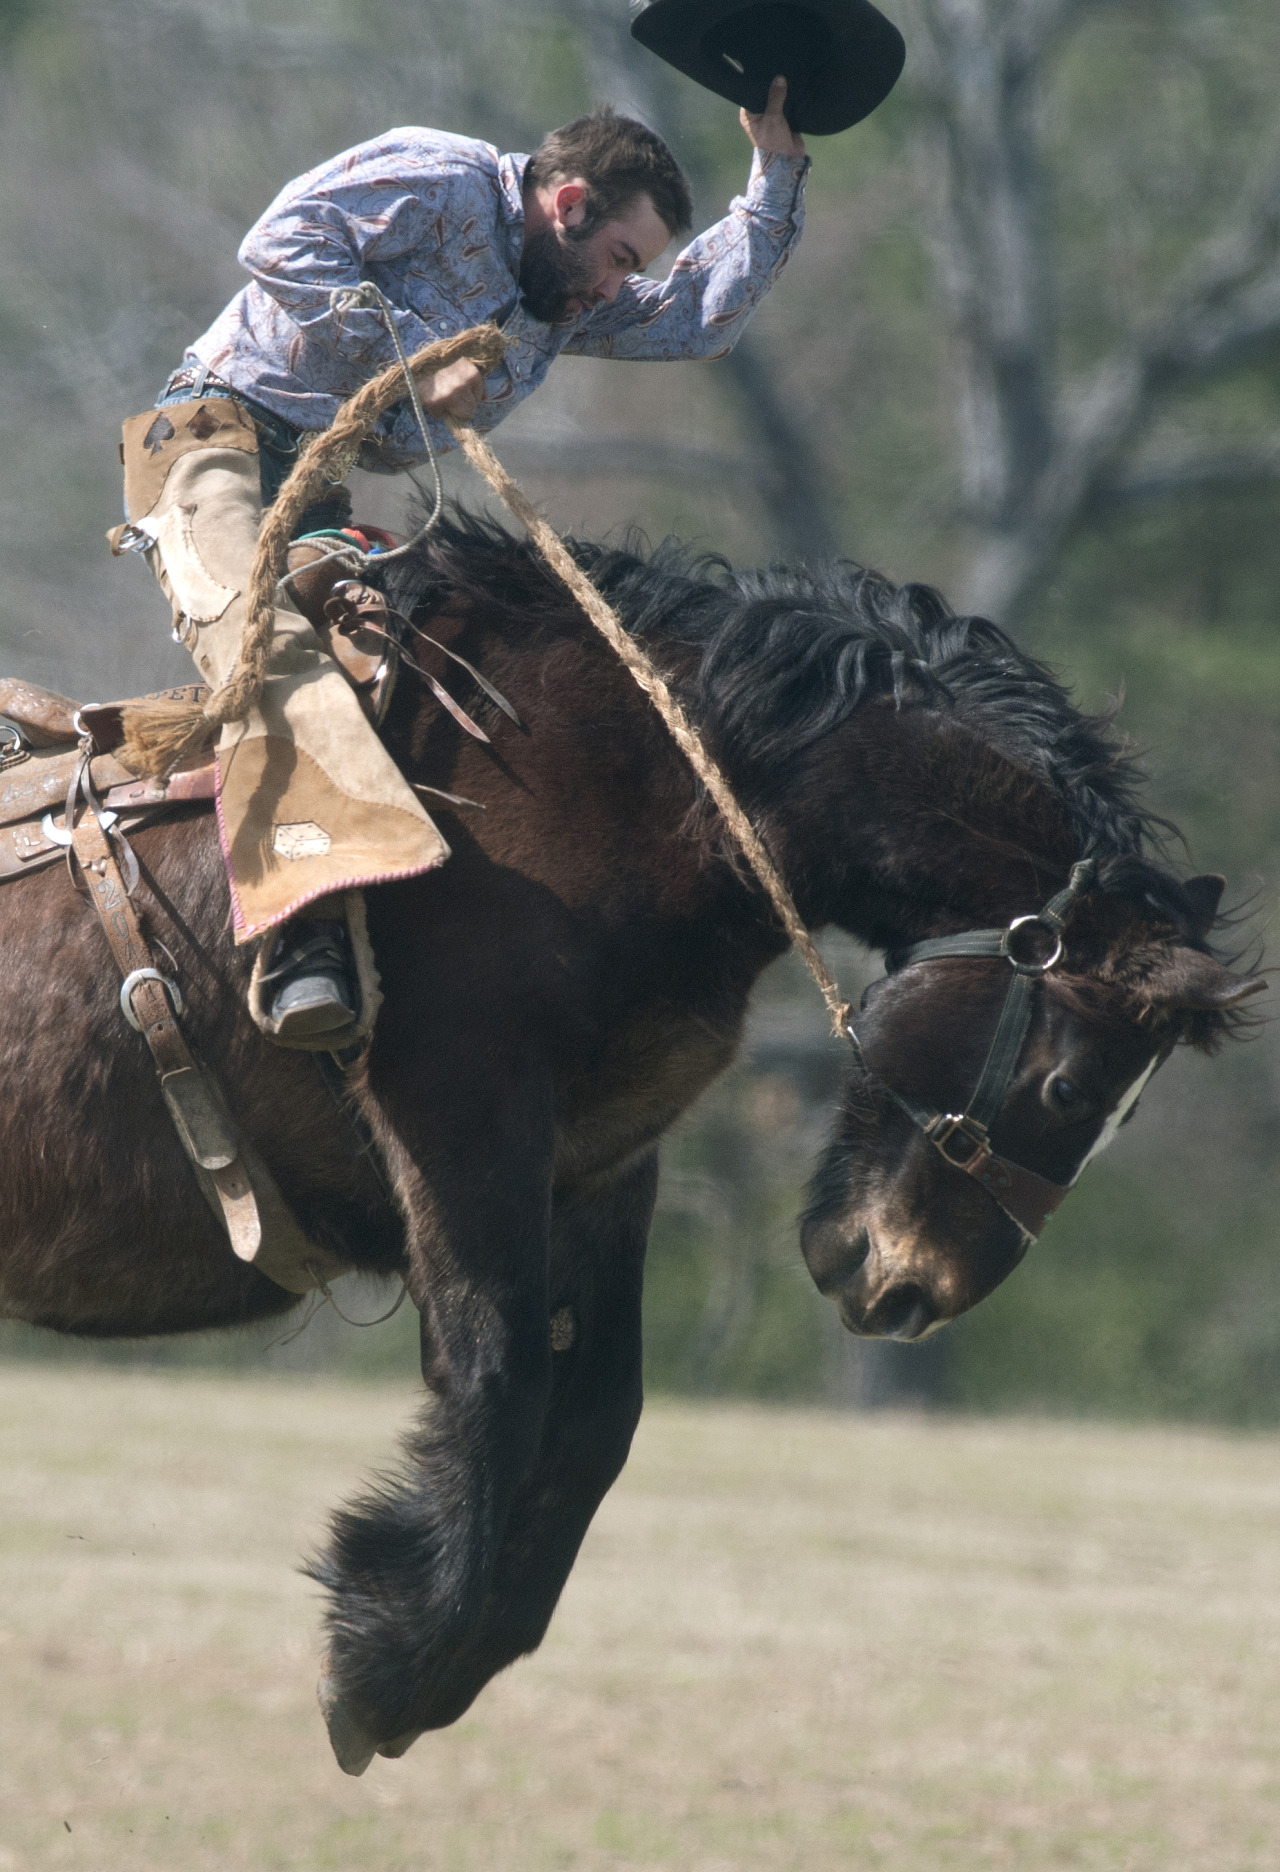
<point x="130" y="982"/>
<point x="58" y="834"/>
<point x="1032" y="967"/>
<point x="951" y="1125"/>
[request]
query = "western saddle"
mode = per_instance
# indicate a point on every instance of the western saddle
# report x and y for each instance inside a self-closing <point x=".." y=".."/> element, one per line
<point x="65" y="794"/>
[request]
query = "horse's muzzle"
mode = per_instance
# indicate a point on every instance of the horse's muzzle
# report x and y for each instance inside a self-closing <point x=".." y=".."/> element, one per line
<point x="901" y="1312"/>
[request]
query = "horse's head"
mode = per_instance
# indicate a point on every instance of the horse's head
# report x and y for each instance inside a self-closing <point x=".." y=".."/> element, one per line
<point x="980" y="1091"/>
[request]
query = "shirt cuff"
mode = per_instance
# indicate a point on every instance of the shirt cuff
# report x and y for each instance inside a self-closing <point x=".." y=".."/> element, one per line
<point x="776" y="183"/>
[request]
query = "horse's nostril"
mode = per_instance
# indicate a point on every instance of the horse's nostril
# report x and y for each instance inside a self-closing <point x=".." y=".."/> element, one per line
<point x="903" y="1313"/>
<point x="834" y="1258"/>
<point x="856" y="1252"/>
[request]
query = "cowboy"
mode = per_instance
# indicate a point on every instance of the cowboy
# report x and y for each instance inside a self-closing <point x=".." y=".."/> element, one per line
<point x="551" y="247"/>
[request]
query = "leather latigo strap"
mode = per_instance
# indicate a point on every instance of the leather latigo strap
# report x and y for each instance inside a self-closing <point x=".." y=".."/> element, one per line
<point x="235" y="1182"/>
<point x="150" y="1004"/>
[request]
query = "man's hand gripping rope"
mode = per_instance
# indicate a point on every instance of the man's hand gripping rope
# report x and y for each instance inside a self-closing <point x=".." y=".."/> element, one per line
<point x="159" y="736"/>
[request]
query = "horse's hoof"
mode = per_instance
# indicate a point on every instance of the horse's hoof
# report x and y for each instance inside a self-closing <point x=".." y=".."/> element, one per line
<point x="399" y="1745"/>
<point x="353" y="1746"/>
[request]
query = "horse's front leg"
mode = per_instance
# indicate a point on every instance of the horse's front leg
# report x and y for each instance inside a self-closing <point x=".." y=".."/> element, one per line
<point x="410" y="1564"/>
<point x="598" y="1241"/>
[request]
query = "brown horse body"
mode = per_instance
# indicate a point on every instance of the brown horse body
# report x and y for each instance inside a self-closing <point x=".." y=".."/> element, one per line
<point x="554" y="997"/>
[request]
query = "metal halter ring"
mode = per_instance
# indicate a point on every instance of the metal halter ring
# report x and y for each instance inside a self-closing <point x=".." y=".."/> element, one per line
<point x="1032" y="968"/>
<point x="130" y="982"/>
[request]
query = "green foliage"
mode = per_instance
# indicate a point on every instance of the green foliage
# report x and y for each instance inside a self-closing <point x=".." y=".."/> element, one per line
<point x="730" y="1307"/>
<point x="15" y="17"/>
<point x="1133" y="1305"/>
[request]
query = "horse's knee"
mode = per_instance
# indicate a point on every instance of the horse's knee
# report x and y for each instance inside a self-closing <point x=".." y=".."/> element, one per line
<point x="490" y="1387"/>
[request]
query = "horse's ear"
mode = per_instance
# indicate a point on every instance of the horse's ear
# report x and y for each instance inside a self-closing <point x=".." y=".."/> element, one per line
<point x="1194" y="982"/>
<point x="1205" y="894"/>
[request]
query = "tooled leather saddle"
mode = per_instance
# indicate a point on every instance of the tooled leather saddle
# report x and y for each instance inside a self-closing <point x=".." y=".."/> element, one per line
<point x="64" y="793"/>
<point x="39" y="753"/>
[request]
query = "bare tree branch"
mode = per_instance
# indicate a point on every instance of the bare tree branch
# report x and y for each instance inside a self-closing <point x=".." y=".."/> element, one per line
<point x="1036" y="457"/>
<point x="779" y="463"/>
<point x="1192" y="473"/>
<point x="591" y="457"/>
<point x="783" y="469"/>
<point x="1224" y="305"/>
<point x="984" y="88"/>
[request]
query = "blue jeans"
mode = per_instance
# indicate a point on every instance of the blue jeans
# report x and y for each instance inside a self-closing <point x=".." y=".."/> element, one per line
<point x="278" y="446"/>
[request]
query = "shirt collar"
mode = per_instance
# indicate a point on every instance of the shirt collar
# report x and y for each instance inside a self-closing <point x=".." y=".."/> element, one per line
<point x="511" y="180"/>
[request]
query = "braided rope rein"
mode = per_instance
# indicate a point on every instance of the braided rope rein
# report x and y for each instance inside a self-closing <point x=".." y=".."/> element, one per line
<point x="606" y="620"/>
<point x="159" y="735"/>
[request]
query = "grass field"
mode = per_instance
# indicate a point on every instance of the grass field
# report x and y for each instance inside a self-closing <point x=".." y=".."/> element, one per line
<point x="794" y="1640"/>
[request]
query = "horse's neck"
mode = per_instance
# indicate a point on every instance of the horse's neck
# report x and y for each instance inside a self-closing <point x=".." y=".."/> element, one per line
<point x="932" y="830"/>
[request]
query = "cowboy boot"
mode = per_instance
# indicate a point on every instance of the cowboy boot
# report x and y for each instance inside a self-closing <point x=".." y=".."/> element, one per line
<point x="310" y="992"/>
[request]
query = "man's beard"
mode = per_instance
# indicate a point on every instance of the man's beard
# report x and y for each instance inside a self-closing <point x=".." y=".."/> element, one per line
<point x="552" y="273"/>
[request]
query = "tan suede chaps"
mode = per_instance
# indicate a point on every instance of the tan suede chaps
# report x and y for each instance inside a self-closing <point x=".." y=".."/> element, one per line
<point x="309" y="801"/>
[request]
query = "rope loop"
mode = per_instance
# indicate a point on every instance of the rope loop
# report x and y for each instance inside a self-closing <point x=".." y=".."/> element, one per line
<point x="159" y="736"/>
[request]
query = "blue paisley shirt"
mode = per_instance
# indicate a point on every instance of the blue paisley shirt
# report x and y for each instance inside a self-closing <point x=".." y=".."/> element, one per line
<point x="437" y="222"/>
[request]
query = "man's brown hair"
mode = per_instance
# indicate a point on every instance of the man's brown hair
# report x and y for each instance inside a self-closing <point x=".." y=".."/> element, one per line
<point x="619" y="160"/>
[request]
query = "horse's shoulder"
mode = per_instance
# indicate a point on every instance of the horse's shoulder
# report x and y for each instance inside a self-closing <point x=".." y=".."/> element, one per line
<point x="650" y="1071"/>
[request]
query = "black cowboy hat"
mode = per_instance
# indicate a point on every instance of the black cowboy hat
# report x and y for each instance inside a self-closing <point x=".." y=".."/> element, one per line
<point x="840" y="58"/>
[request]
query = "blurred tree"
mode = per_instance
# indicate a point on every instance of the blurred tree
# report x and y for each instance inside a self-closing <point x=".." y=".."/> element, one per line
<point x="1041" y="445"/>
<point x="1027" y="348"/>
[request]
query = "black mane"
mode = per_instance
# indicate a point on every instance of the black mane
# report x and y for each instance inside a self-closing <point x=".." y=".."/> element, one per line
<point x="786" y="655"/>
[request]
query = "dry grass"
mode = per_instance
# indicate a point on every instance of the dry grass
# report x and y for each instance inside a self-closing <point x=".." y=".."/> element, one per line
<point x="793" y="1640"/>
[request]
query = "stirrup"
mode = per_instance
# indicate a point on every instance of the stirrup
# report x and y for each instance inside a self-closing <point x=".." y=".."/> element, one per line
<point x="313" y="996"/>
<point x="358" y="968"/>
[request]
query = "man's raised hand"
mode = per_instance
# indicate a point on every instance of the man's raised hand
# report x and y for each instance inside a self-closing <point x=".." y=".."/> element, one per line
<point x="769" y="129"/>
<point x="456" y="390"/>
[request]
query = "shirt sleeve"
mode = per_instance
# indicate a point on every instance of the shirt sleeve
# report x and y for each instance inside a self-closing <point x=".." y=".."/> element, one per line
<point x="335" y="228"/>
<point x="702" y="307"/>
<point x="330" y="230"/>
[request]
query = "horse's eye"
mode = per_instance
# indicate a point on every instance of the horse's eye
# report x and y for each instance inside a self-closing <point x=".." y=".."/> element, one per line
<point x="1065" y="1094"/>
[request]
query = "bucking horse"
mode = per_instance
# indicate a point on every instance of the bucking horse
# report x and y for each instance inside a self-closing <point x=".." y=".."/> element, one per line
<point x="559" y="992"/>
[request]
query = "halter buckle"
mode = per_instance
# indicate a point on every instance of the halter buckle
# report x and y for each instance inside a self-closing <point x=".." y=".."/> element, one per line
<point x="1032" y="967"/>
<point x="949" y="1127"/>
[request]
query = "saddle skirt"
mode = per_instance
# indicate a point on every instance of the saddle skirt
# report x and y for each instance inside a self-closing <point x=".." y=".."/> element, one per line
<point x="39" y="755"/>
